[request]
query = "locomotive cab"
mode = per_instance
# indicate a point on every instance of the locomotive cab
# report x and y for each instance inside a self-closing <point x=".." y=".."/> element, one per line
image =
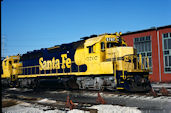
<point x="112" y="64"/>
<point x="10" y="66"/>
<point x="129" y="70"/>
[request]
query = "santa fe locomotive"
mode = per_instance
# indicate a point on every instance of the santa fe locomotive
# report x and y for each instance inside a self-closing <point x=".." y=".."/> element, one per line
<point x="96" y="62"/>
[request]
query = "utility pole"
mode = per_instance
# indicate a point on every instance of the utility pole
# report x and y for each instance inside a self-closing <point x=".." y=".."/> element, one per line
<point x="3" y="45"/>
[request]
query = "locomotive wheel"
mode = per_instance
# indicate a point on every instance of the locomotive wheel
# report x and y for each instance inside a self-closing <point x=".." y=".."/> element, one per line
<point x="11" y="84"/>
<point x="17" y="85"/>
<point x="36" y="84"/>
<point x="102" y="88"/>
<point x="71" y="84"/>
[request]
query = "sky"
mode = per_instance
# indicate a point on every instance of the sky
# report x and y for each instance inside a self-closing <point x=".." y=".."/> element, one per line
<point x="28" y="25"/>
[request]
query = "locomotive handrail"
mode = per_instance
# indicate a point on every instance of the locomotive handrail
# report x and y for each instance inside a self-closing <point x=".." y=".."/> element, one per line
<point x="26" y="69"/>
<point x="139" y="65"/>
<point x="130" y="58"/>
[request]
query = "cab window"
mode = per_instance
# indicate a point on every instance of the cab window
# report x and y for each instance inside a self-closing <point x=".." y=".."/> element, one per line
<point x="112" y="44"/>
<point x="15" y="61"/>
<point x="90" y="49"/>
<point x="102" y="46"/>
<point x="5" y="62"/>
<point x="10" y="62"/>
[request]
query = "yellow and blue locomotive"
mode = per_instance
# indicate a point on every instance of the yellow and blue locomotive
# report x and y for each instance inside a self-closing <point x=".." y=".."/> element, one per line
<point x="95" y="62"/>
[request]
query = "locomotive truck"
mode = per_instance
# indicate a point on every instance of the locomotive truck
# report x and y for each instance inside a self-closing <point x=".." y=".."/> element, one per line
<point x="97" y="62"/>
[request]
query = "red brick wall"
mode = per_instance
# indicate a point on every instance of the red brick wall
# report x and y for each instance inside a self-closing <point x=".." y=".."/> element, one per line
<point x="165" y="77"/>
<point x="155" y="76"/>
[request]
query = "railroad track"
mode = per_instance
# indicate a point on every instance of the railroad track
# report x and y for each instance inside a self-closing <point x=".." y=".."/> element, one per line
<point x="162" y="89"/>
<point x="48" y="104"/>
<point x="88" y="92"/>
<point x="81" y="97"/>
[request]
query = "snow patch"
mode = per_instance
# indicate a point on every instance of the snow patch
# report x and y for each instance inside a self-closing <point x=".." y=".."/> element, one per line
<point x="46" y="101"/>
<point x="25" y="104"/>
<point x="115" y="109"/>
<point x="29" y="109"/>
<point x="108" y="109"/>
<point x="32" y="108"/>
<point x="77" y="111"/>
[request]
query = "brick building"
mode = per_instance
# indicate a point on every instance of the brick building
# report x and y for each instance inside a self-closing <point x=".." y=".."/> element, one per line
<point x="156" y="44"/>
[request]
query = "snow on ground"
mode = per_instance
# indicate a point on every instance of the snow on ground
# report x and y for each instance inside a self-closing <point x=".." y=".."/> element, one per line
<point x="46" y="101"/>
<point x="115" y="109"/>
<point x="77" y="111"/>
<point x="109" y="109"/>
<point x="29" y="108"/>
<point x="32" y="108"/>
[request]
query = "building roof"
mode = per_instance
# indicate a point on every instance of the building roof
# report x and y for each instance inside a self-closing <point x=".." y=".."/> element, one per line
<point x="145" y="30"/>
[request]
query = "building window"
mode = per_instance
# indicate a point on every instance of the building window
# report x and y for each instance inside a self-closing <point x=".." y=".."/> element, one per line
<point x="144" y="47"/>
<point x="167" y="52"/>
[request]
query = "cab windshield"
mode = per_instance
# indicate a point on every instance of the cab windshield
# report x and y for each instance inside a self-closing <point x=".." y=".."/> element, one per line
<point x="16" y="61"/>
<point x="112" y="44"/>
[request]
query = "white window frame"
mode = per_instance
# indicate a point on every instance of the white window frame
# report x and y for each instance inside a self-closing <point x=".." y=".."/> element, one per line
<point x="166" y="50"/>
<point x="141" y="44"/>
